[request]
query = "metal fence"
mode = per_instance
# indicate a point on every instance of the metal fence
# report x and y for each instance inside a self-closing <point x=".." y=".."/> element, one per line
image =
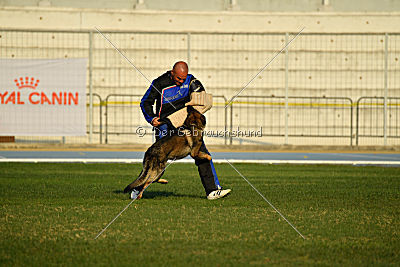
<point x="123" y="115"/>
<point x="378" y="117"/>
<point x="325" y="117"/>
<point x="305" y="96"/>
<point x="265" y="117"/>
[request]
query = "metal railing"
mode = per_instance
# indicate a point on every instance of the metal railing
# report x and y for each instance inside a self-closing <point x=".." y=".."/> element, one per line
<point x="122" y="115"/>
<point x="297" y="117"/>
<point x="378" y="117"/>
<point x="325" y="117"/>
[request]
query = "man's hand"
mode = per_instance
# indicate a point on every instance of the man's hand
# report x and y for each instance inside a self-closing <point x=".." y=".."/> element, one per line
<point x="155" y="122"/>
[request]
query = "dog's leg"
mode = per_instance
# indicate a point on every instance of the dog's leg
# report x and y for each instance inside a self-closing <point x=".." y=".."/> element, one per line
<point x="146" y="184"/>
<point x="161" y="170"/>
<point x="151" y="177"/>
<point x="196" y="153"/>
<point x="202" y="155"/>
<point x="140" y="180"/>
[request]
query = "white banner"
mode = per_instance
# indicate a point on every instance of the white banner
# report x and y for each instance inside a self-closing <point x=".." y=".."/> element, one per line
<point x="43" y="97"/>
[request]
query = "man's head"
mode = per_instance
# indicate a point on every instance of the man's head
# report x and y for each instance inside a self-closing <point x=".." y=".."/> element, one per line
<point x="179" y="72"/>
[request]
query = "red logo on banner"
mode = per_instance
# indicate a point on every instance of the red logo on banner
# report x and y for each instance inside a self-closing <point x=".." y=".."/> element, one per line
<point x="37" y="98"/>
<point x="28" y="83"/>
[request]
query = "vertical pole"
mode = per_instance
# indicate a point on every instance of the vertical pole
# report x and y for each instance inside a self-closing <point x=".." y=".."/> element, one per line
<point x="101" y="119"/>
<point x="351" y="122"/>
<point x="286" y="90"/>
<point x="188" y="49"/>
<point x="357" y="118"/>
<point x="386" y="91"/>
<point x="225" y="122"/>
<point x="230" y="134"/>
<point x="90" y="87"/>
<point x="106" y="126"/>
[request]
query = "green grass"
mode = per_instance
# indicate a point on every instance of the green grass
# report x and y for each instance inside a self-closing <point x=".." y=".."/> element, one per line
<point x="50" y="214"/>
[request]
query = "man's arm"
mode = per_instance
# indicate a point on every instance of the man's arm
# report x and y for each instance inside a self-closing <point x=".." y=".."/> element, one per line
<point x="147" y="103"/>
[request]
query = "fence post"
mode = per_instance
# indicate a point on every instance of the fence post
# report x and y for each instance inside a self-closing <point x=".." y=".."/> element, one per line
<point x="357" y="118"/>
<point x="106" y="119"/>
<point x="351" y="122"/>
<point x="188" y="49"/>
<point x="101" y="120"/>
<point x="286" y="90"/>
<point x="386" y="91"/>
<point x="90" y="88"/>
<point x="230" y="134"/>
<point x="225" y="122"/>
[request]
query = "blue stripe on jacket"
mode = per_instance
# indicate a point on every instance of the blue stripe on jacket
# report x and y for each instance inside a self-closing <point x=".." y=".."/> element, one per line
<point x="148" y="117"/>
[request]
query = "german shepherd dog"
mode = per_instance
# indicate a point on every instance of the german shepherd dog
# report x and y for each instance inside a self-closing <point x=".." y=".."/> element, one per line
<point x="171" y="147"/>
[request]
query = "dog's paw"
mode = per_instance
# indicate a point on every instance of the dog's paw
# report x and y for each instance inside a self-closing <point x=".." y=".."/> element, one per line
<point x="208" y="157"/>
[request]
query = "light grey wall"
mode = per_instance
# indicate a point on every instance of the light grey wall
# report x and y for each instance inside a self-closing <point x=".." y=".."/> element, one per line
<point x="114" y="4"/>
<point x="221" y="5"/>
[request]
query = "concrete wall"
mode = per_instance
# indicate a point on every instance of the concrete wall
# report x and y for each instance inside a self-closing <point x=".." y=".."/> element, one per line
<point x="221" y="5"/>
<point x="170" y="21"/>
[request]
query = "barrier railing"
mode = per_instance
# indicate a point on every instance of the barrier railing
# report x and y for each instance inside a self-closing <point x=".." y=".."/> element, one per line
<point x="378" y="118"/>
<point x="326" y="117"/>
<point x="122" y="114"/>
<point x="306" y="116"/>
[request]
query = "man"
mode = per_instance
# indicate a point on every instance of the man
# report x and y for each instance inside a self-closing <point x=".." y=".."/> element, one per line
<point x="170" y="92"/>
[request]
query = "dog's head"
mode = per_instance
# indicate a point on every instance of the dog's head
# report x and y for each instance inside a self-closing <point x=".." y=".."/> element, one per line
<point x="194" y="119"/>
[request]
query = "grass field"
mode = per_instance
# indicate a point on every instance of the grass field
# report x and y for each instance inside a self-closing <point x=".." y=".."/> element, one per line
<point x="50" y="214"/>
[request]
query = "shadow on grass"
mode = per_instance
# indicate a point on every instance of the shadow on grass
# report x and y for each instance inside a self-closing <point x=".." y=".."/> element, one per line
<point x="154" y="194"/>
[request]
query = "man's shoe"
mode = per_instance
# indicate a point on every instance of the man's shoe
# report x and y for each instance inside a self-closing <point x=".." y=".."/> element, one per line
<point x="162" y="181"/>
<point x="218" y="193"/>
